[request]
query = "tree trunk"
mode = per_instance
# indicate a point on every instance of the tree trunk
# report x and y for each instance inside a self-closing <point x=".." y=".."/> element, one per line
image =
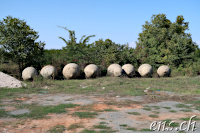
<point x="20" y="69"/>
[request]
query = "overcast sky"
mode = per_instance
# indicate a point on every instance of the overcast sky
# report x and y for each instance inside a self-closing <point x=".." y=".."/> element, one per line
<point x="119" y="20"/>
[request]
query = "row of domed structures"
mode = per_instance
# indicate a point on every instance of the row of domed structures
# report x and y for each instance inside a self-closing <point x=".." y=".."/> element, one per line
<point x="72" y="71"/>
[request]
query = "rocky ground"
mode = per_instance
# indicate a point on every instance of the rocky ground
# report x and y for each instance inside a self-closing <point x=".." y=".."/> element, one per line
<point x="119" y="114"/>
<point x="124" y="114"/>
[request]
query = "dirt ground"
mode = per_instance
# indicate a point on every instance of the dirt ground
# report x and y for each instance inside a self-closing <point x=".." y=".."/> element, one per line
<point x="115" y="112"/>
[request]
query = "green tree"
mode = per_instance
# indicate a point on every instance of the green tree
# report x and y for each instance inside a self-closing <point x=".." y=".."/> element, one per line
<point x="164" y="42"/>
<point x="54" y="56"/>
<point x="77" y="52"/>
<point x="18" y="42"/>
<point x="108" y="52"/>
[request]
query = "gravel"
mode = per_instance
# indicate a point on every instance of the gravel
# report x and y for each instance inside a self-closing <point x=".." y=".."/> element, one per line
<point x="114" y="119"/>
<point x="19" y="112"/>
<point x="55" y="99"/>
<point x="9" y="81"/>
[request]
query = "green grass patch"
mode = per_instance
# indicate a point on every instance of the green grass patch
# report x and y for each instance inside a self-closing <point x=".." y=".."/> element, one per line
<point x="105" y="131"/>
<point x="103" y="122"/>
<point x="99" y="131"/>
<point x="1" y="104"/>
<point x="134" y="113"/>
<point x="194" y="102"/>
<point x="166" y="107"/>
<point x="8" y="93"/>
<point x="198" y="108"/>
<point x="57" y="129"/>
<point x="147" y="109"/>
<point x="181" y="132"/>
<point x="155" y="112"/>
<point x="131" y="128"/>
<point x="117" y="86"/>
<point x="154" y="116"/>
<point x="75" y="126"/>
<point x="182" y="106"/>
<point x="188" y="118"/>
<point x="38" y="111"/>
<point x="122" y="103"/>
<point x="114" y="86"/>
<point x="145" y="130"/>
<point x="110" y="110"/>
<point x="123" y="125"/>
<point x="186" y="110"/>
<point x="175" y="124"/>
<point x="155" y="107"/>
<point x="85" y="114"/>
<point x="101" y="126"/>
<point x="3" y="113"/>
<point x="167" y="121"/>
<point x="172" y="111"/>
<point x="88" y="131"/>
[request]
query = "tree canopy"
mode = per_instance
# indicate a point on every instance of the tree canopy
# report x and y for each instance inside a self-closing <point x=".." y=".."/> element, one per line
<point x="18" y="42"/>
<point x="164" y="42"/>
<point x="77" y="52"/>
<point x="160" y="42"/>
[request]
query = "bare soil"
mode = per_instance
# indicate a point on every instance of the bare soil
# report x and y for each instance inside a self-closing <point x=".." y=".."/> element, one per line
<point x="114" y="111"/>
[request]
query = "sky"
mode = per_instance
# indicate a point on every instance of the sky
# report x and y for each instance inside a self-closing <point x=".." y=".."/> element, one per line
<point x="118" y="20"/>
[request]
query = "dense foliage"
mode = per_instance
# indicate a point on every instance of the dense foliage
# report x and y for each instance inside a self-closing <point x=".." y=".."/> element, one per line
<point x="18" y="43"/>
<point x="164" y="42"/>
<point x="100" y="52"/>
<point x="160" y="42"/>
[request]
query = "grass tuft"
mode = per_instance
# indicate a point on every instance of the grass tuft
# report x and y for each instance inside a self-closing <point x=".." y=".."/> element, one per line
<point x="85" y="114"/>
<point x="131" y="128"/>
<point x="145" y="129"/>
<point x="182" y="106"/>
<point x="175" y="124"/>
<point x="123" y="125"/>
<point x="154" y="116"/>
<point x="156" y="107"/>
<point x="57" y="129"/>
<point x="39" y="111"/>
<point x="103" y="122"/>
<point x="101" y="126"/>
<point x="188" y="118"/>
<point x="87" y="131"/>
<point x="110" y="110"/>
<point x="74" y="126"/>
<point x="186" y="110"/>
<point x="166" y="107"/>
<point x="147" y="109"/>
<point x="173" y="111"/>
<point x="134" y="113"/>
<point x="3" y="113"/>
